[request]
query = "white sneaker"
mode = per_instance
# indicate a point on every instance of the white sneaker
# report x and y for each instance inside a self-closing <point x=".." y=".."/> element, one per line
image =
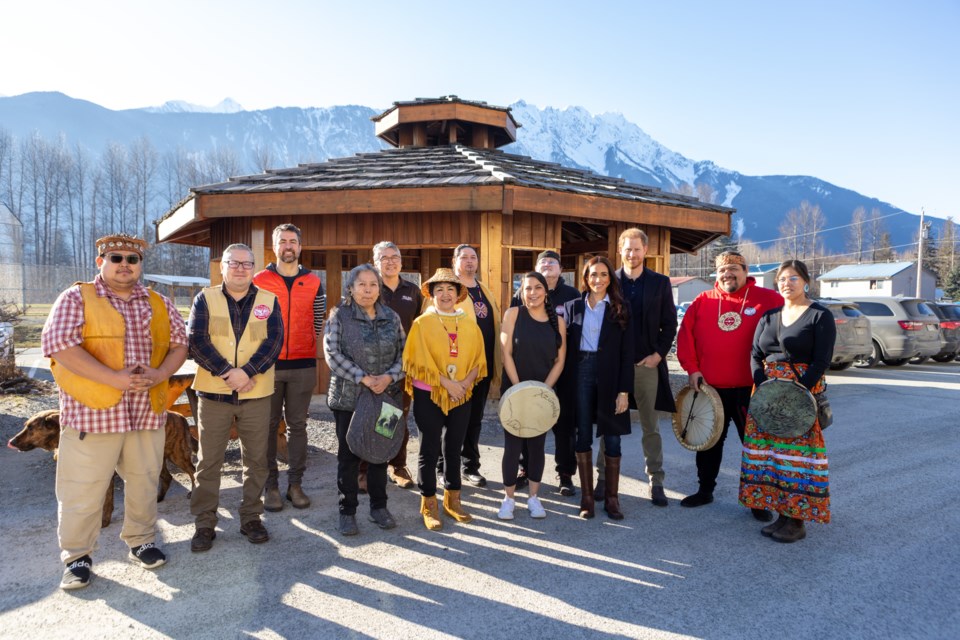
<point x="536" y="509"/>
<point x="506" y="509"/>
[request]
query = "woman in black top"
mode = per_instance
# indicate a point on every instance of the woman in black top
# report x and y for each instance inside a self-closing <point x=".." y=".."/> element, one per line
<point x="532" y="338"/>
<point x="789" y="475"/>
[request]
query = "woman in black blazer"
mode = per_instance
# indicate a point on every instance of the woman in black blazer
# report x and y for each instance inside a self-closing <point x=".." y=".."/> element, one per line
<point x="598" y="377"/>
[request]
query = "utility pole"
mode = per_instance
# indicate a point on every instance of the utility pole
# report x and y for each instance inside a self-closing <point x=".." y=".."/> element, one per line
<point x="923" y="231"/>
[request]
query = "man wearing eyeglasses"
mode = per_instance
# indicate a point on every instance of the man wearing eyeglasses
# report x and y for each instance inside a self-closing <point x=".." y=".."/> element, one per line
<point x="235" y="332"/>
<point x="405" y="299"/>
<point x="302" y="306"/>
<point x="713" y="346"/>
<point x="548" y="264"/>
<point x="113" y="345"/>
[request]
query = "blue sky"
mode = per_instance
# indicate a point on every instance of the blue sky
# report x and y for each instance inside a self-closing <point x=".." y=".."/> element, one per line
<point x="861" y="94"/>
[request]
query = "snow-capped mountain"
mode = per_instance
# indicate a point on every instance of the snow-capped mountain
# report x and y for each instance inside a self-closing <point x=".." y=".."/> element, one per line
<point x="607" y="143"/>
<point x="228" y="105"/>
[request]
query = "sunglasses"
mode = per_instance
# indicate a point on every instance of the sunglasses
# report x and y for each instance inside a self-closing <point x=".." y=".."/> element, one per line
<point x="116" y="258"/>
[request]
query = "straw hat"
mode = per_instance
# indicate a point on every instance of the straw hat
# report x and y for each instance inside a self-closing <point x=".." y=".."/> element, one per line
<point x="444" y="274"/>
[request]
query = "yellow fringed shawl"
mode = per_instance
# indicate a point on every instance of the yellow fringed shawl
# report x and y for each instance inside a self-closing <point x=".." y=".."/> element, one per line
<point x="427" y="354"/>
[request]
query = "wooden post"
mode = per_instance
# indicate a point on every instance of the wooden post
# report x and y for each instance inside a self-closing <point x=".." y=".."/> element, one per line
<point x="496" y="261"/>
<point x="429" y="262"/>
<point x="257" y="234"/>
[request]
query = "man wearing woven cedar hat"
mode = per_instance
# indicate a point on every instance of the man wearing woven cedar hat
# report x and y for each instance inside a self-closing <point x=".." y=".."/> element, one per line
<point x="713" y="345"/>
<point x="113" y="345"/>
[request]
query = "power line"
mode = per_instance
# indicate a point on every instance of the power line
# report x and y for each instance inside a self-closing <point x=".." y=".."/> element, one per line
<point x="818" y="231"/>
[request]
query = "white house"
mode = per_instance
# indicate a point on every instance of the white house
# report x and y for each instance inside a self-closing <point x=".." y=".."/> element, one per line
<point x="685" y="289"/>
<point x="880" y="279"/>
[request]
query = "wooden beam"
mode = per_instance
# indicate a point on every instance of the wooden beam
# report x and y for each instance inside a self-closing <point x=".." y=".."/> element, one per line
<point x="507" y="208"/>
<point x="614" y="209"/>
<point x="391" y="201"/>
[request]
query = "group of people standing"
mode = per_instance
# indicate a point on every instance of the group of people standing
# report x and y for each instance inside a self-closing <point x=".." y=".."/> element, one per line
<point x="439" y="348"/>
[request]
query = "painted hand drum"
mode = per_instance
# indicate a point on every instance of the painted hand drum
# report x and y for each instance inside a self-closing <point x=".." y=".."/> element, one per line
<point x="528" y="409"/>
<point x="783" y="408"/>
<point x="698" y="421"/>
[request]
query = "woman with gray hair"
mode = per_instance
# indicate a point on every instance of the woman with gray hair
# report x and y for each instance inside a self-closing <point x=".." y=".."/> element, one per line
<point x="363" y="345"/>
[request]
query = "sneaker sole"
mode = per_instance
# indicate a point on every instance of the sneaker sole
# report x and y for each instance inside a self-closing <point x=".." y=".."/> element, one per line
<point x="500" y="517"/>
<point x="158" y="563"/>
<point x="73" y="586"/>
<point x="538" y="516"/>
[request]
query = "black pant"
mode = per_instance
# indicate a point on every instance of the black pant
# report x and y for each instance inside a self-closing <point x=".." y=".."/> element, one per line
<point x="735" y="401"/>
<point x="533" y="450"/>
<point x="347" y="465"/>
<point x="470" y="452"/>
<point x="436" y="431"/>
<point x="563" y="455"/>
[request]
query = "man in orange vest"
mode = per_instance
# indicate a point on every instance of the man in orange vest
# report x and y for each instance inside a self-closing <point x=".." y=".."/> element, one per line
<point x="113" y="345"/>
<point x="235" y="336"/>
<point x="302" y="306"/>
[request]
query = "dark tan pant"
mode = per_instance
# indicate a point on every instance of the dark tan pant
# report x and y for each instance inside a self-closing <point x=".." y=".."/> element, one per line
<point x="253" y="426"/>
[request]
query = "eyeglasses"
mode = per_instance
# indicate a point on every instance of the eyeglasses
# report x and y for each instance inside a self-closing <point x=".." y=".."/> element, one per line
<point x="116" y="258"/>
<point x="236" y="264"/>
<point x="791" y="280"/>
<point x="389" y="259"/>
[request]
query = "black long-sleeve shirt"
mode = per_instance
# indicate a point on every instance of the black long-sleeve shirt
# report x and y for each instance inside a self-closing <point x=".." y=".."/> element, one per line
<point x="207" y="356"/>
<point x="809" y="340"/>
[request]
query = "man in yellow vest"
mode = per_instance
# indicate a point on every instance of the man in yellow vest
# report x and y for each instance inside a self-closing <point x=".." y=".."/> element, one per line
<point x="113" y="345"/>
<point x="236" y="332"/>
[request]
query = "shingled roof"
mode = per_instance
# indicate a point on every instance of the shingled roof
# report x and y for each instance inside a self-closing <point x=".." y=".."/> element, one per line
<point x="446" y="165"/>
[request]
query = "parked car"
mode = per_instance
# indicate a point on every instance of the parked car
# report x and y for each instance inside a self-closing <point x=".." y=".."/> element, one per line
<point x="853" y="333"/>
<point x="902" y="328"/>
<point x="949" y="314"/>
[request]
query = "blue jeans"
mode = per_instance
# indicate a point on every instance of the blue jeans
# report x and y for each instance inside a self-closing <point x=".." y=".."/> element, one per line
<point x="587" y="406"/>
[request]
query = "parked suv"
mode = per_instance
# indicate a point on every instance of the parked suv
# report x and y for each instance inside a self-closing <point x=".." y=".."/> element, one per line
<point x="853" y="333"/>
<point x="949" y="314"/>
<point x="902" y="328"/>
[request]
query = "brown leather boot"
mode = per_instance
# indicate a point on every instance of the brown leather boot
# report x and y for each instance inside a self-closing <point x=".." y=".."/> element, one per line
<point x="585" y="467"/>
<point x="774" y="526"/>
<point x="272" y="501"/>
<point x="792" y="531"/>
<point x="452" y="507"/>
<point x="297" y="497"/>
<point x="611" y="501"/>
<point x="600" y="489"/>
<point x="431" y="513"/>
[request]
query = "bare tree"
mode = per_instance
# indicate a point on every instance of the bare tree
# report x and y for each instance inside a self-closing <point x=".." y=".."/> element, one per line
<point x="144" y="161"/>
<point x="876" y="230"/>
<point x="857" y="234"/>
<point x="706" y="193"/>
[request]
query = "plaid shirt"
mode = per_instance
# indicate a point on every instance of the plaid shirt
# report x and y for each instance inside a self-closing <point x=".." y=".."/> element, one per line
<point x="64" y="329"/>
<point x="207" y="356"/>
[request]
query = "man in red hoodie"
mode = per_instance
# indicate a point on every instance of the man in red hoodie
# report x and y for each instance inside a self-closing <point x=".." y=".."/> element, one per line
<point x="714" y="345"/>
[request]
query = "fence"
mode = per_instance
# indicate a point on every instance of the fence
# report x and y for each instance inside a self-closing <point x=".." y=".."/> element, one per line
<point x="26" y="284"/>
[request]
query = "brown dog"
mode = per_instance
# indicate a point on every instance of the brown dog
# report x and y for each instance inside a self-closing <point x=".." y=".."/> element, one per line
<point x="42" y="431"/>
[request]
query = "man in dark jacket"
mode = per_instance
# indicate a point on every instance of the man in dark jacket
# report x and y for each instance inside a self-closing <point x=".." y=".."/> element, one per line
<point x="303" y="306"/>
<point x="655" y="326"/>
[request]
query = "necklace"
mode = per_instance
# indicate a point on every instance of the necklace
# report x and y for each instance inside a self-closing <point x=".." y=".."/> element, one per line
<point x="479" y="306"/>
<point x="730" y="320"/>
<point x="451" y="337"/>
